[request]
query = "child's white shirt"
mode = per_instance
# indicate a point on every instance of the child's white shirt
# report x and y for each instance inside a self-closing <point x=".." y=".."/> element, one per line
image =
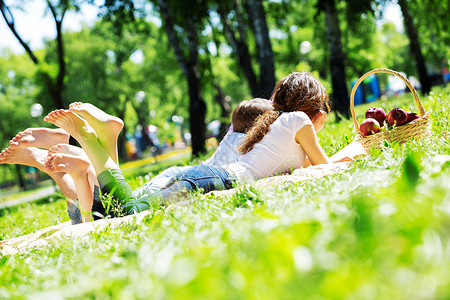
<point x="277" y="153"/>
<point x="226" y="153"/>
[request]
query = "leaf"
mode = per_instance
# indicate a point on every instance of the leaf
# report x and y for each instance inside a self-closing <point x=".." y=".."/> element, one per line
<point x="411" y="170"/>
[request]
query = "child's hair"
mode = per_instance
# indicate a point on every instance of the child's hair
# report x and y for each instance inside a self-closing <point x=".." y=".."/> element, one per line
<point x="246" y="112"/>
<point x="295" y="92"/>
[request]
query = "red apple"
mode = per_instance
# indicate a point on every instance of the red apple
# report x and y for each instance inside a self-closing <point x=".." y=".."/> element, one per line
<point x="397" y="117"/>
<point x="412" y="116"/>
<point x="376" y="113"/>
<point x="369" y="126"/>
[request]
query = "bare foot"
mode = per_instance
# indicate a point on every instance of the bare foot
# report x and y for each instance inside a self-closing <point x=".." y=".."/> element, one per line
<point x="71" y="164"/>
<point x="40" y="138"/>
<point x="106" y="126"/>
<point x="29" y="156"/>
<point x="76" y="151"/>
<point x="34" y="157"/>
<point x="72" y="124"/>
<point x="78" y="128"/>
<point x="78" y="168"/>
<point x="67" y="149"/>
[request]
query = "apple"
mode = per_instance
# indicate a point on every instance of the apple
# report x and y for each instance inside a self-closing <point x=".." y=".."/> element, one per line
<point x="376" y="113"/>
<point x="412" y="116"/>
<point x="369" y="126"/>
<point x="397" y="117"/>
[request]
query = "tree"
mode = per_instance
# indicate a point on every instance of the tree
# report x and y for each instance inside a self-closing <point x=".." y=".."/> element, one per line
<point x="9" y="18"/>
<point x="337" y="66"/>
<point x="355" y="12"/>
<point x="415" y="47"/>
<point x="434" y="26"/>
<point x="55" y="86"/>
<point x="181" y="22"/>
<point x="58" y="12"/>
<point x="238" y="42"/>
<point x="257" y="15"/>
<point x="237" y="25"/>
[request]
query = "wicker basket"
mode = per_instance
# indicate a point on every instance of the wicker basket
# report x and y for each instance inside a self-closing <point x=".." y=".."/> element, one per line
<point x="401" y="134"/>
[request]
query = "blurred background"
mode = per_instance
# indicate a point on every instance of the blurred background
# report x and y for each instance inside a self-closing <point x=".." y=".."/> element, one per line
<point x="173" y="70"/>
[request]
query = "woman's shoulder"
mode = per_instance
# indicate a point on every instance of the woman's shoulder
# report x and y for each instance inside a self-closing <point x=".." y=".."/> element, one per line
<point x="295" y="114"/>
<point x="294" y="118"/>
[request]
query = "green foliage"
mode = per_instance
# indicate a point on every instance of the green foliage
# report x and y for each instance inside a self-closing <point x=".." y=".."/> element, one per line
<point x="433" y="26"/>
<point x="17" y="93"/>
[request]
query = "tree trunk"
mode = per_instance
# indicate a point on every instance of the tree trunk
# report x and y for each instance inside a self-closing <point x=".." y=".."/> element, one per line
<point x="197" y="106"/>
<point x="257" y="15"/>
<point x="10" y="21"/>
<point x="197" y="112"/>
<point x="414" y="46"/>
<point x="337" y="67"/>
<point x="240" y="49"/>
<point x="59" y="88"/>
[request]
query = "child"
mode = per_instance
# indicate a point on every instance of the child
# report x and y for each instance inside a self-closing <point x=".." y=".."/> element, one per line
<point x="279" y="142"/>
<point x="243" y="118"/>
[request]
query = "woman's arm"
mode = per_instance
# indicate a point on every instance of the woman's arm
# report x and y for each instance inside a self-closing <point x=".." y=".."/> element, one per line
<point x="307" y="138"/>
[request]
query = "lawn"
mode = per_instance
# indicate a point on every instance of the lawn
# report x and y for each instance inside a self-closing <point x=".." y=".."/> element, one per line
<point x="378" y="231"/>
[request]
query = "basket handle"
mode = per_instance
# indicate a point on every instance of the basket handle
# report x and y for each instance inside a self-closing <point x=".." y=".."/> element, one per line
<point x="382" y="70"/>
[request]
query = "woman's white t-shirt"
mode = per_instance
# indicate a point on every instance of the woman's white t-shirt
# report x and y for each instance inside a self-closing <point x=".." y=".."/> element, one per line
<point x="277" y="153"/>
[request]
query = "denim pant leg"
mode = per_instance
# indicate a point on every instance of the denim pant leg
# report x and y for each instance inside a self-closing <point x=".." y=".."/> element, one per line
<point x="205" y="177"/>
<point x="97" y="208"/>
<point x="74" y="212"/>
<point x="159" y="182"/>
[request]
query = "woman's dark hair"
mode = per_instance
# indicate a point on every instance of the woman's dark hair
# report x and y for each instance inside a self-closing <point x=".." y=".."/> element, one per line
<point x="299" y="91"/>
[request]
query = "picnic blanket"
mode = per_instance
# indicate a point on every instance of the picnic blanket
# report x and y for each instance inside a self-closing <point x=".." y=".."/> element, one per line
<point x="52" y="234"/>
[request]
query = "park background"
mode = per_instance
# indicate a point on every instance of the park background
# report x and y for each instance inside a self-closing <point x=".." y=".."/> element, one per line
<point x="180" y="65"/>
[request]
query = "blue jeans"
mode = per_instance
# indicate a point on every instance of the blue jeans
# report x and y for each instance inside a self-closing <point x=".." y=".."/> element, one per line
<point x="159" y="182"/>
<point x="205" y="177"/>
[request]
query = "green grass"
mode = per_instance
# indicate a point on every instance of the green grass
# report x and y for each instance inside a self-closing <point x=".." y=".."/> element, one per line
<point x="30" y="217"/>
<point x="22" y="194"/>
<point x="378" y="231"/>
